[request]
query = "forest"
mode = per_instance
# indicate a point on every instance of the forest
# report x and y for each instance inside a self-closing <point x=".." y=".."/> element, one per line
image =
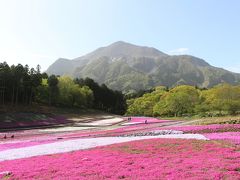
<point x="21" y="85"/>
<point x="185" y="100"/>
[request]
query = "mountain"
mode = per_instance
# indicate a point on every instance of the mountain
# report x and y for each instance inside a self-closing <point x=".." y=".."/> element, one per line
<point x="124" y="66"/>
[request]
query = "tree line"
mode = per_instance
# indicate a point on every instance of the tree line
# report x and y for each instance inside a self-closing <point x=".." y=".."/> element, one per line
<point x="21" y="85"/>
<point x="184" y="100"/>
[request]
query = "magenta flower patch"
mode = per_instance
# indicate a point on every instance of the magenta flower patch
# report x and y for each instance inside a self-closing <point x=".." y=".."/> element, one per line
<point x="233" y="137"/>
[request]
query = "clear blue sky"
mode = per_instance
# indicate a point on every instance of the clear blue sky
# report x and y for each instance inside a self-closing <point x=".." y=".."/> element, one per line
<point x="40" y="31"/>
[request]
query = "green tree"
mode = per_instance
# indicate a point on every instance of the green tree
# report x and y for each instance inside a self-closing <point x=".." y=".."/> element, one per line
<point x="222" y="98"/>
<point x="42" y="92"/>
<point x="178" y="101"/>
<point x="71" y="94"/>
<point x="143" y="106"/>
<point x="53" y="89"/>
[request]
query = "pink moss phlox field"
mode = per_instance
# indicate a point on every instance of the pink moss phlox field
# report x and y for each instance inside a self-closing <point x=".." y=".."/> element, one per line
<point x="20" y="144"/>
<point x="38" y="139"/>
<point x="33" y="137"/>
<point x="233" y="137"/>
<point x="145" y="159"/>
<point x="7" y="146"/>
<point x="207" y="128"/>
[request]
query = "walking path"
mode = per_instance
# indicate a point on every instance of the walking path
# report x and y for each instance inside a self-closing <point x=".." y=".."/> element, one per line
<point x="79" y="144"/>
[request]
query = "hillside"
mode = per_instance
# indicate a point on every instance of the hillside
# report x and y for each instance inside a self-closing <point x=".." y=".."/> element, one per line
<point x="127" y="67"/>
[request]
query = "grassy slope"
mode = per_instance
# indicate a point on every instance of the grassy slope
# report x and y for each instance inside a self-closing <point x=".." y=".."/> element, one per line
<point x="36" y="115"/>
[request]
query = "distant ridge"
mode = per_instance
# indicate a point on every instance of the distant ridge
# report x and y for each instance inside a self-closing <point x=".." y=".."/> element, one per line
<point x="124" y="66"/>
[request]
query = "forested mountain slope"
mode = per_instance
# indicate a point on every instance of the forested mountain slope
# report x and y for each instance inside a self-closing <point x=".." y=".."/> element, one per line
<point x="127" y="67"/>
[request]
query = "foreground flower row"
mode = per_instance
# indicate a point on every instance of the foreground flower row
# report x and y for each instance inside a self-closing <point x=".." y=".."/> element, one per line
<point x="145" y="159"/>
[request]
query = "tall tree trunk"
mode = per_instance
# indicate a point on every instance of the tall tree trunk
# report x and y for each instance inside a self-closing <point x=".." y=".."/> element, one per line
<point x="25" y="96"/>
<point x="3" y="96"/>
<point x="4" y="87"/>
<point x="30" y="100"/>
<point x="13" y="95"/>
<point x="16" y="102"/>
<point x="49" y="99"/>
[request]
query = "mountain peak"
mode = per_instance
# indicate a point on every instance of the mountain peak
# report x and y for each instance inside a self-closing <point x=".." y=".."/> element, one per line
<point x="124" y="49"/>
<point x="120" y="42"/>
